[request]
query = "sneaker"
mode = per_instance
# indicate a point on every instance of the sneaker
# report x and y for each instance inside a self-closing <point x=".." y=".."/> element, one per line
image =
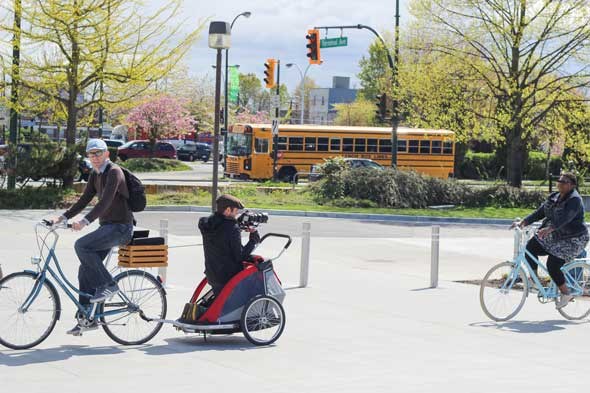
<point x="78" y="330"/>
<point x="563" y="301"/>
<point x="105" y="293"/>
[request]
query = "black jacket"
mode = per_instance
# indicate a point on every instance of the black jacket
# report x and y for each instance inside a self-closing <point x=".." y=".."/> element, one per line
<point x="566" y="216"/>
<point x="223" y="249"/>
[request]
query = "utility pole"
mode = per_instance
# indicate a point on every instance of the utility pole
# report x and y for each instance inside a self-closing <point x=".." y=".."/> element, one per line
<point x="275" y="128"/>
<point x="395" y="101"/>
<point x="14" y="82"/>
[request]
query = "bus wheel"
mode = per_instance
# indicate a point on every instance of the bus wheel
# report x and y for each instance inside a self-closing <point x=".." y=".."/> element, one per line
<point x="287" y="174"/>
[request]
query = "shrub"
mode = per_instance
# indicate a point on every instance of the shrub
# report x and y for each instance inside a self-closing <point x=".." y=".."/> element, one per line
<point x="535" y="165"/>
<point x="408" y="189"/>
<point x="33" y="198"/>
<point x="331" y="186"/>
<point x="154" y="165"/>
<point x="43" y="159"/>
<point x="485" y="166"/>
<point x="479" y="166"/>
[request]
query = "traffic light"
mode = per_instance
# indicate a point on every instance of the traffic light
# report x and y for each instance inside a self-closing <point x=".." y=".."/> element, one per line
<point x="269" y="72"/>
<point x="313" y="46"/>
<point x="381" y="106"/>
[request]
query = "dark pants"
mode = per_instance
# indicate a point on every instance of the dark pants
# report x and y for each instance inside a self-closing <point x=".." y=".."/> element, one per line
<point x="554" y="264"/>
<point x="92" y="250"/>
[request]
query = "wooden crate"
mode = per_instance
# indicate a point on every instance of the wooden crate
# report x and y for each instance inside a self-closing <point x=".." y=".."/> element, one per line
<point x="143" y="256"/>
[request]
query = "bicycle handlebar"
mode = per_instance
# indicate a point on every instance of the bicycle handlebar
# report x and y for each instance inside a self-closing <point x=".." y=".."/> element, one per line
<point x="51" y="225"/>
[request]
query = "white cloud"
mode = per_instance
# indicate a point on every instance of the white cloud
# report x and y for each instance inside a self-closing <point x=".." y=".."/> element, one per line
<point x="277" y="29"/>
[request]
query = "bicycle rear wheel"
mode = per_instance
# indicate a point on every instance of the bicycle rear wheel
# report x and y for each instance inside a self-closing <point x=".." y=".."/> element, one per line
<point x="23" y="330"/>
<point x="577" y="277"/>
<point x="148" y="301"/>
<point x="503" y="291"/>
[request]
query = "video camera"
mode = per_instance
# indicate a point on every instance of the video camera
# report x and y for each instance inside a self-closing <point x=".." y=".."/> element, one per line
<point x="251" y="219"/>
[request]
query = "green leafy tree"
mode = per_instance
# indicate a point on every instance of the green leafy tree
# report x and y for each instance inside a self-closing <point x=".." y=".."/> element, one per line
<point x="361" y="112"/>
<point x="530" y="54"/>
<point x="250" y="87"/>
<point x="375" y="72"/>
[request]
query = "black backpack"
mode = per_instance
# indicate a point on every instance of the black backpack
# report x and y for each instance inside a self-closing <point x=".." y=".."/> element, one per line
<point x="137" y="200"/>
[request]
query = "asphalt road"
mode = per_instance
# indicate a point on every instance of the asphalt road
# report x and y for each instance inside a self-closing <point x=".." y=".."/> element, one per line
<point x="185" y="224"/>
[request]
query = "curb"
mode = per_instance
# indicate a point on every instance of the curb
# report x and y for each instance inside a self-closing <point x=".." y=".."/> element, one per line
<point x="350" y="216"/>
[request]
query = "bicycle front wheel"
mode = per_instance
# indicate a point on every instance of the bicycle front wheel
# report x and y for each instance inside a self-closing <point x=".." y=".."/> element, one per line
<point x="24" y="329"/>
<point x="147" y="300"/>
<point x="577" y="278"/>
<point x="503" y="291"/>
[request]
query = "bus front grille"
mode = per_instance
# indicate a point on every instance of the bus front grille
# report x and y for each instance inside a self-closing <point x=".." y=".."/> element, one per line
<point x="233" y="167"/>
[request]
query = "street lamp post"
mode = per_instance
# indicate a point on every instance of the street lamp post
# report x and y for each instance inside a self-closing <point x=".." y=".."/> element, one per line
<point x="225" y="107"/>
<point x="302" y="74"/>
<point x="219" y="39"/>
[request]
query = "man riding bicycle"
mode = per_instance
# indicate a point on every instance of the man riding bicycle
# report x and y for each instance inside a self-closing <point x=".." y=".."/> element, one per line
<point x="107" y="182"/>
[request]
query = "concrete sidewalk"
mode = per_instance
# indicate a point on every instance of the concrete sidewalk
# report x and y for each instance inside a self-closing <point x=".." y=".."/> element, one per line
<point x="366" y="324"/>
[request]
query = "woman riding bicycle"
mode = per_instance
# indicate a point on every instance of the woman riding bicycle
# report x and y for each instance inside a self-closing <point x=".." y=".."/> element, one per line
<point x="562" y="235"/>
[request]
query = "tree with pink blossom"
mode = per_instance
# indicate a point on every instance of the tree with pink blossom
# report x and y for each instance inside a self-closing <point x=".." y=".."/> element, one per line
<point x="160" y="117"/>
<point x="246" y="116"/>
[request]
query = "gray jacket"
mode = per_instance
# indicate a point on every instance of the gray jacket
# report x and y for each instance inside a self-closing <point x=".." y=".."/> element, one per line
<point x="566" y="216"/>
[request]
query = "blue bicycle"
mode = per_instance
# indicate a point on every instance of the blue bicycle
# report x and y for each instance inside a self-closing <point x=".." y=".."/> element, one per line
<point x="30" y="305"/>
<point x="505" y="287"/>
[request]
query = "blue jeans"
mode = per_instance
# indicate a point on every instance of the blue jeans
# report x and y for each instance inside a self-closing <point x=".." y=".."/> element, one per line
<point x="92" y="249"/>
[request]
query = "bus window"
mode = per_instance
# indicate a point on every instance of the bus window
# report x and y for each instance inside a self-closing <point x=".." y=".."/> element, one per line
<point x="334" y="144"/>
<point x="384" y="146"/>
<point x="413" y="148"/>
<point x="436" y="147"/>
<point x="347" y="144"/>
<point x="448" y="147"/>
<point x="359" y="145"/>
<point x="424" y="147"/>
<point x="371" y="145"/>
<point x="260" y="145"/>
<point x="282" y="143"/>
<point x="322" y="144"/>
<point x="309" y="144"/>
<point x="295" y="143"/>
<point x="402" y="145"/>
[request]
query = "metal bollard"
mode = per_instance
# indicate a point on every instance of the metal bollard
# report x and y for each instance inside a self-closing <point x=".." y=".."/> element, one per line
<point x="434" y="256"/>
<point x="517" y="241"/>
<point x="164" y="234"/>
<point x="304" y="267"/>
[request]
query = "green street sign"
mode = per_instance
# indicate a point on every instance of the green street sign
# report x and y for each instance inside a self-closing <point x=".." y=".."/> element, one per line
<point x="333" y="42"/>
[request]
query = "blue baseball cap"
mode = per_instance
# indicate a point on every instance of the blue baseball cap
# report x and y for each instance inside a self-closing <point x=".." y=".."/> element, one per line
<point x="96" y="144"/>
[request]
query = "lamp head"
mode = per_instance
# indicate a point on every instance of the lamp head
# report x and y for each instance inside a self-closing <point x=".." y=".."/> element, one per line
<point x="219" y="35"/>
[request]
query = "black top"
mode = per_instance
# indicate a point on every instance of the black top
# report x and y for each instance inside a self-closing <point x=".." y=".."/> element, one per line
<point x="565" y="215"/>
<point x="224" y="253"/>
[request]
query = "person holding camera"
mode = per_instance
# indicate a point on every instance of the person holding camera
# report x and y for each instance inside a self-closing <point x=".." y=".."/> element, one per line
<point x="222" y="242"/>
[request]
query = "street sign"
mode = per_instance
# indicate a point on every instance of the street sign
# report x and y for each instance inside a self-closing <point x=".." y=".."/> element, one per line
<point x="333" y="42"/>
<point x="275" y="127"/>
<point x="275" y="104"/>
<point x="275" y="101"/>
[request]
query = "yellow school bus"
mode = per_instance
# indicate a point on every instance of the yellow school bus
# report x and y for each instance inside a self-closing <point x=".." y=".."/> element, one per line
<point x="249" y="149"/>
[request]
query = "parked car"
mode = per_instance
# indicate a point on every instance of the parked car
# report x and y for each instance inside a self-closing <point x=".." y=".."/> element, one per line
<point x="350" y="162"/>
<point x="141" y="149"/>
<point x="114" y="143"/>
<point x="192" y="151"/>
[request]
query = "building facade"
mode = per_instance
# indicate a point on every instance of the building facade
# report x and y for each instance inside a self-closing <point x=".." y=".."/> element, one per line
<point x="322" y="100"/>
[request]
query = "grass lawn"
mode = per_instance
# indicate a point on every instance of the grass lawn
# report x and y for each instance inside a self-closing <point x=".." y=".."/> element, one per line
<point x="302" y="200"/>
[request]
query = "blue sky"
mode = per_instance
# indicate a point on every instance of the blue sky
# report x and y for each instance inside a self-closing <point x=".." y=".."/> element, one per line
<point x="277" y="29"/>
